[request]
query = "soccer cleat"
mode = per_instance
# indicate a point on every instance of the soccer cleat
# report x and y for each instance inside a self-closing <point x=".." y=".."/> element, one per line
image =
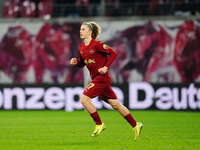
<point x="98" y="129"/>
<point x="137" y="130"/>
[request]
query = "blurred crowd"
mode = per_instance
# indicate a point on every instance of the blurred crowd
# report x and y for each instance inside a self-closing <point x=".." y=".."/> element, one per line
<point x="85" y="8"/>
<point x="28" y="8"/>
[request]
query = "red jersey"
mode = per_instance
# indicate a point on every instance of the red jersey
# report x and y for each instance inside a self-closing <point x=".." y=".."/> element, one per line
<point x="95" y="56"/>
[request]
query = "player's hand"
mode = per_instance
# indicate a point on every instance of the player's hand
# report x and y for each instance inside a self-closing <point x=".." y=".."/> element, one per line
<point x="103" y="70"/>
<point x="73" y="61"/>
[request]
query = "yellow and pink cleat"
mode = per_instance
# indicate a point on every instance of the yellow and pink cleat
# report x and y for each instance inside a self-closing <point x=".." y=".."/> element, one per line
<point x="137" y="130"/>
<point x="98" y="129"/>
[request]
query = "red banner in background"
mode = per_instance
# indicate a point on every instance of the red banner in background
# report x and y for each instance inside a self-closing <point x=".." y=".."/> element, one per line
<point x="157" y="52"/>
<point x="45" y="54"/>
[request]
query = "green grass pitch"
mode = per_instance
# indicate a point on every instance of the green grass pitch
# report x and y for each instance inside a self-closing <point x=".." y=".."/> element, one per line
<point x="60" y="130"/>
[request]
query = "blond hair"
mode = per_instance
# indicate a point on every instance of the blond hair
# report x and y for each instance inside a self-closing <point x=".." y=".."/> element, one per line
<point x="94" y="27"/>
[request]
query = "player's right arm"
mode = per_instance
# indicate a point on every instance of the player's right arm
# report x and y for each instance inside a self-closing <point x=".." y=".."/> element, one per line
<point x="77" y="61"/>
<point x="73" y="61"/>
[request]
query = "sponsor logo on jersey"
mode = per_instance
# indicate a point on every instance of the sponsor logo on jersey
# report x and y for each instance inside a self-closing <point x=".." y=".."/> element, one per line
<point x="91" y="51"/>
<point x="89" y="61"/>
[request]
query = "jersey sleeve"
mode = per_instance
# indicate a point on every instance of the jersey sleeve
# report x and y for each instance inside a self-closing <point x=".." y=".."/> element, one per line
<point x="102" y="47"/>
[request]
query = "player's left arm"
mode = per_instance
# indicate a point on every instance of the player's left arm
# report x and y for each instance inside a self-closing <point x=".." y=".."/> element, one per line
<point x="109" y="51"/>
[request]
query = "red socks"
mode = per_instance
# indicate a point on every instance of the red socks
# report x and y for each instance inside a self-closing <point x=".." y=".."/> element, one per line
<point x="96" y="118"/>
<point x="130" y="120"/>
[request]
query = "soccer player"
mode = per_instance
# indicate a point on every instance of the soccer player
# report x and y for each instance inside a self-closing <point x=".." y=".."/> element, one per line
<point x="98" y="57"/>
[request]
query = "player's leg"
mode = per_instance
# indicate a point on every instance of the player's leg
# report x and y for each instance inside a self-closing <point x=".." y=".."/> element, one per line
<point x="122" y="110"/>
<point x="86" y="102"/>
<point x="93" y="89"/>
<point x="110" y="97"/>
<point x="137" y="126"/>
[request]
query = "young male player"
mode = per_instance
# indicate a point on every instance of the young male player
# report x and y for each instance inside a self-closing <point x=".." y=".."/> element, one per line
<point x="94" y="54"/>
